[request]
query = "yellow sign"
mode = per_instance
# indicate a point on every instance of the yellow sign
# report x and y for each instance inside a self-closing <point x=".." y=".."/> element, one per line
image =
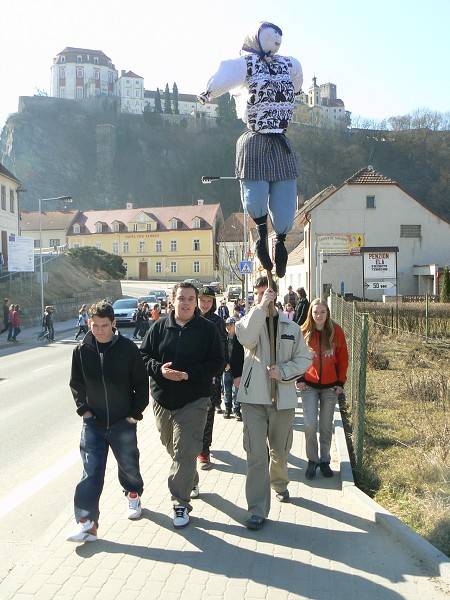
<point x="340" y="244"/>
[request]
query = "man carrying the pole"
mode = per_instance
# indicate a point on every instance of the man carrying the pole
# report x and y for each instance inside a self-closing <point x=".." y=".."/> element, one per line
<point x="268" y="418"/>
<point x="264" y="85"/>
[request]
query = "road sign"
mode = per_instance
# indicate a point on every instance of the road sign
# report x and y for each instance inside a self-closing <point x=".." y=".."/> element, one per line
<point x="245" y="267"/>
<point x="379" y="285"/>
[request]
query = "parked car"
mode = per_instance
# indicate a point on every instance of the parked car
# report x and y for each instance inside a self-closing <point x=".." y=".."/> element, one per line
<point x="151" y="301"/>
<point x="124" y="309"/>
<point x="216" y="286"/>
<point x="161" y="296"/>
<point x="233" y="292"/>
<point x="198" y="284"/>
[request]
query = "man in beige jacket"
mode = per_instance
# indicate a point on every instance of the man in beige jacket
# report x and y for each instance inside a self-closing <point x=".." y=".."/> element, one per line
<point x="268" y="422"/>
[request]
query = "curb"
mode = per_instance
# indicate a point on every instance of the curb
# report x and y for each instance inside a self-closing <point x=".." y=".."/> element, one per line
<point x="438" y="562"/>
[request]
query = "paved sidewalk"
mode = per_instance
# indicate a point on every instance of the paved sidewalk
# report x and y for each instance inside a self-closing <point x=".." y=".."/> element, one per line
<point x="323" y="545"/>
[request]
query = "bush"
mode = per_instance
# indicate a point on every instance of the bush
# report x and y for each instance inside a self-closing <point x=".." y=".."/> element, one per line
<point x="99" y="260"/>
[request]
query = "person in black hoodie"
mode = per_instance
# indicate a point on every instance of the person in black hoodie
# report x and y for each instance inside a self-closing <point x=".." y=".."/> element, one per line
<point x="109" y="384"/>
<point x="207" y="306"/>
<point x="182" y="352"/>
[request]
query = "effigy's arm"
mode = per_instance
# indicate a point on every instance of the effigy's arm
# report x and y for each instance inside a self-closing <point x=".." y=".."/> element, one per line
<point x="230" y="75"/>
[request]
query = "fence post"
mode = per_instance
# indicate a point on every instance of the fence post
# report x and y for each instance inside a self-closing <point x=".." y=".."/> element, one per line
<point x="362" y="392"/>
<point x="352" y="356"/>
<point x="426" y="317"/>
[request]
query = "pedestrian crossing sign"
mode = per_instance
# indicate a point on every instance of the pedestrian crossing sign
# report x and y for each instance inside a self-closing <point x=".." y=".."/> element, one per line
<point x="245" y="267"/>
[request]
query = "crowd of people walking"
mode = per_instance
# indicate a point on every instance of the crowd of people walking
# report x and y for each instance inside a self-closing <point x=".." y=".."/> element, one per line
<point x="11" y="320"/>
<point x="187" y="360"/>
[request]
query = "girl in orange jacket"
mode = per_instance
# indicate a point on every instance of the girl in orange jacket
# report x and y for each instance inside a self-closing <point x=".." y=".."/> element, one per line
<point x="321" y="384"/>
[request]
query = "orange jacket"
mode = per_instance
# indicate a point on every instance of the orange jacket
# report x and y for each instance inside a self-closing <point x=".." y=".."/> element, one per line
<point x="329" y="367"/>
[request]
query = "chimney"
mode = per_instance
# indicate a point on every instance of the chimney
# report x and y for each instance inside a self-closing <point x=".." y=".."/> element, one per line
<point x="200" y="202"/>
<point x="122" y="72"/>
<point x="129" y="205"/>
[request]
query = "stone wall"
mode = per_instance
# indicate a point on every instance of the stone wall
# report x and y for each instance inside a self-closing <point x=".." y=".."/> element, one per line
<point x="67" y="308"/>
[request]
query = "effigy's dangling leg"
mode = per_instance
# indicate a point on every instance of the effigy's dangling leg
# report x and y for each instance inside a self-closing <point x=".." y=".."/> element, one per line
<point x="281" y="255"/>
<point x="261" y="245"/>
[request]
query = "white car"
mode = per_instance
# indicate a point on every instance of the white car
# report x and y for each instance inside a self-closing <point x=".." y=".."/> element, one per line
<point x="124" y="309"/>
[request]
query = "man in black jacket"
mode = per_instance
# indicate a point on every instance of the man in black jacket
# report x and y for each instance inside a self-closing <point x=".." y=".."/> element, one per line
<point x="109" y="384"/>
<point x="301" y="308"/>
<point x="182" y="353"/>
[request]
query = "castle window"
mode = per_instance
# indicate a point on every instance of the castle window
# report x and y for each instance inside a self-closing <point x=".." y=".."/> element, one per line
<point x="63" y="59"/>
<point x="79" y="59"/>
<point x="95" y="60"/>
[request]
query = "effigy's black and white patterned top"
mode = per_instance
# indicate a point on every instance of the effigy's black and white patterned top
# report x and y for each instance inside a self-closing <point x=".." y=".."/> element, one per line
<point x="264" y="89"/>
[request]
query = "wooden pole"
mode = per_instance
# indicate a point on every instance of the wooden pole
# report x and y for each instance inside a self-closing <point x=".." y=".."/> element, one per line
<point x="273" y="383"/>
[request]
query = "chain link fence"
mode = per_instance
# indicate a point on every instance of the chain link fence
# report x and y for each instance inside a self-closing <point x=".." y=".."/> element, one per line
<point x="356" y="329"/>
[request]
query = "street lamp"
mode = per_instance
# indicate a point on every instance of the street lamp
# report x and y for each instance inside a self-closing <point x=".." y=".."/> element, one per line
<point x="60" y="199"/>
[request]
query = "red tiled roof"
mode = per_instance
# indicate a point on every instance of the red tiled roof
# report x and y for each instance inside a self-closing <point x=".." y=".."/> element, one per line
<point x="163" y="215"/>
<point x="368" y="175"/>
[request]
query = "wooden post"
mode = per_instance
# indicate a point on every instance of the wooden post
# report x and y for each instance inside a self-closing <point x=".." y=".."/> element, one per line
<point x="273" y="383"/>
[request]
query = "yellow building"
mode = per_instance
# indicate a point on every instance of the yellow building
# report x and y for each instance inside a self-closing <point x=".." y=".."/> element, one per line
<point x="172" y="242"/>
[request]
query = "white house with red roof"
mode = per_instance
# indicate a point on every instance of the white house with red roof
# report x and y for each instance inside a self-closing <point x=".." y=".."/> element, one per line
<point x="369" y="211"/>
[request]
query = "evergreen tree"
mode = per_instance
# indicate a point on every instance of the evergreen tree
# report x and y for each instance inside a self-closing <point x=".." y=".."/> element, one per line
<point x="167" y="101"/>
<point x="176" y="110"/>
<point x="158" y="105"/>
<point x="226" y="110"/>
<point x="445" y="287"/>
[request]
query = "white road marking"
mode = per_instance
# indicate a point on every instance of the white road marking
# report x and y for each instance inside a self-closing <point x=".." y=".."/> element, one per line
<point x="25" y="491"/>
<point x="42" y="368"/>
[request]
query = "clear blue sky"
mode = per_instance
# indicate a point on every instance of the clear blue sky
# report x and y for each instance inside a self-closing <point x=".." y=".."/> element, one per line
<point x="387" y="57"/>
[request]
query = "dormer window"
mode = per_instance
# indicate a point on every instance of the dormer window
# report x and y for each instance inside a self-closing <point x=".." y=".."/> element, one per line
<point x="95" y="60"/>
<point x="135" y="227"/>
<point x="98" y="228"/>
<point x="63" y="59"/>
<point x="76" y="229"/>
<point x="197" y="223"/>
<point x="174" y="224"/>
<point x="79" y="58"/>
<point x="116" y="227"/>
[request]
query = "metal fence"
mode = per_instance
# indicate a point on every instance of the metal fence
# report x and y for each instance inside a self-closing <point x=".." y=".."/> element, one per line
<point x="356" y="329"/>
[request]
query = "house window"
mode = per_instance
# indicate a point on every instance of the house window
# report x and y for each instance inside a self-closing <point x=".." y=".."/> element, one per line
<point x="37" y="243"/>
<point x="149" y="226"/>
<point x="76" y="245"/>
<point x="126" y="247"/>
<point x="231" y="254"/>
<point x="63" y="59"/>
<point x="135" y="226"/>
<point x="76" y="229"/>
<point x="98" y="245"/>
<point x="79" y="92"/>
<point x="370" y="201"/>
<point x="115" y="247"/>
<point x="79" y="59"/>
<point x="116" y="227"/>
<point x="196" y="245"/>
<point x="196" y="223"/>
<point x="158" y="246"/>
<point x="98" y="228"/>
<point x="410" y="231"/>
<point x="173" y="245"/>
<point x="11" y="201"/>
<point x="173" y="266"/>
<point x="95" y="60"/>
<point x="173" y="224"/>
<point x="158" y="267"/>
<point x="196" y="266"/>
<point x="141" y="246"/>
<point x="3" y="197"/>
<point x="54" y="243"/>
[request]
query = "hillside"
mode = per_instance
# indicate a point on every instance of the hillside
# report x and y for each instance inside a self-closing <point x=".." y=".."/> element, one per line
<point x="104" y="159"/>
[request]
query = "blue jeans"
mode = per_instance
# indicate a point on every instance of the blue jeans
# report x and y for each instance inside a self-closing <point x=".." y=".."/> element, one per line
<point x="94" y="445"/>
<point x="277" y="198"/>
<point x="312" y="400"/>
<point x="230" y="392"/>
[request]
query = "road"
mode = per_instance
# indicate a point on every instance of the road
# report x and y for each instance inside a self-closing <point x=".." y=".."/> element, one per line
<point x="39" y="435"/>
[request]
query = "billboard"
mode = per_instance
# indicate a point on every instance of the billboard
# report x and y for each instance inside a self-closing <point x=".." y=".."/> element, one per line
<point x="340" y="244"/>
<point x="380" y="265"/>
<point x="20" y="253"/>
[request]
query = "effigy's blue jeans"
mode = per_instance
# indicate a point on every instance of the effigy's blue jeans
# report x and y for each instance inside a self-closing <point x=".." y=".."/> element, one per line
<point x="278" y="198"/>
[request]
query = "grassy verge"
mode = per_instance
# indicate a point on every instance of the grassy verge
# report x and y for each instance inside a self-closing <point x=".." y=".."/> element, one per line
<point x="406" y="465"/>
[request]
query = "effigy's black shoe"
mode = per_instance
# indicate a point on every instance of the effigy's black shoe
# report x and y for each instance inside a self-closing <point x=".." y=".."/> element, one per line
<point x="263" y="254"/>
<point x="281" y="258"/>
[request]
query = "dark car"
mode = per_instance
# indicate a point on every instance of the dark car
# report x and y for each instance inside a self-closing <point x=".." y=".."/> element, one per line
<point x="161" y="296"/>
<point x="233" y="292"/>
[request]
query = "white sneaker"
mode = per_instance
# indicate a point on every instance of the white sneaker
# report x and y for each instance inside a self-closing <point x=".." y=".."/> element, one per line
<point x="86" y="531"/>
<point x="134" y="510"/>
<point x="180" y="515"/>
<point x="195" y="492"/>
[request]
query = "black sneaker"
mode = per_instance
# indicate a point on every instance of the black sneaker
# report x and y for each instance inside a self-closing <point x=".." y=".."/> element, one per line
<point x="238" y="415"/>
<point x="310" y="472"/>
<point x="325" y="468"/>
<point x="282" y="496"/>
<point x="227" y="413"/>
